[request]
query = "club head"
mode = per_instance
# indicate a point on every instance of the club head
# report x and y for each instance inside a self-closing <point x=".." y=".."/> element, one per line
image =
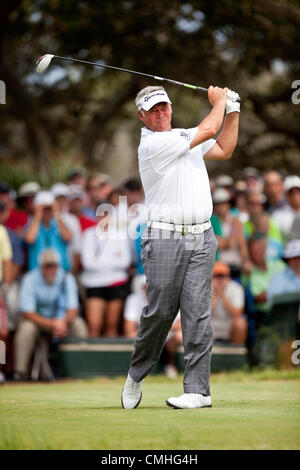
<point x="43" y="62"/>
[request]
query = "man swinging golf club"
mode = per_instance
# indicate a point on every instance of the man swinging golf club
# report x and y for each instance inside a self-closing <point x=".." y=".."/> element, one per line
<point x="179" y="246"/>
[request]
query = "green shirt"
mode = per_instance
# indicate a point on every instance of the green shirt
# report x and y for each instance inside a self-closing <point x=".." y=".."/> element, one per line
<point x="217" y="228"/>
<point x="259" y="281"/>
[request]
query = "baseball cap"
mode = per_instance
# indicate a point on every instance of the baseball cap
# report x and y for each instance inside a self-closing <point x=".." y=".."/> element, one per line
<point x="221" y="268"/>
<point x="292" y="249"/>
<point x="49" y="257"/>
<point x="251" y="171"/>
<point x="60" y="189"/>
<point x="46" y="198"/>
<point x="28" y="189"/>
<point x="151" y="99"/>
<point x="224" y="180"/>
<point x="291" y="182"/>
<point x="75" y="192"/>
<point x="221" y="195"/>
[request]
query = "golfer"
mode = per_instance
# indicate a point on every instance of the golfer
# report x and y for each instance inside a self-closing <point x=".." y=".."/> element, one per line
<point x="179" y="246"/>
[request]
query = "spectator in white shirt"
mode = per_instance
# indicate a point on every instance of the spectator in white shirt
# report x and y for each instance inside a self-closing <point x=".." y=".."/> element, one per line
<point x="105" y="258"/>
<point x="287" y="217"/>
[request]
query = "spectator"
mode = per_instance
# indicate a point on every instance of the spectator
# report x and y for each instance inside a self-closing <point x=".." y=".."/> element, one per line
<point x="46" y="230"/>
<point x="15" y="219"/>
<point x="227" y="319"/>
<point x="3" y="333"/>
<point x="6" y="270"/>
<point x="273" y="189"/>
<point x="253" y="180"/>
<point x="61" y="192"/>
<point x="26" y="196"/>
<point x="134" y="192"/>
<point x="76" y="198"/>
<point x="77" y="176"/>
<point x="287" y="281"/>
<point x="133" y="308"/>
<point x="260" y="221"/>
<point x="288" y="219"/>
<point x="226" y="182"/>
<point x="99" y="188"/>
<point x="240" y="203"/>
<point x="43" y="292"/>
<point x="257" y="282"/>
<point x="232" y="246"/>
<point x="105" y="258"/>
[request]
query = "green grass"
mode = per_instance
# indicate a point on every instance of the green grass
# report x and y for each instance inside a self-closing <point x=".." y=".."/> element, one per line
<point x="250" y="411"/>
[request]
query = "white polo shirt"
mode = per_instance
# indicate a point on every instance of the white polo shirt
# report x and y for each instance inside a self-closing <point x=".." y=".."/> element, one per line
<point x="174" y="177"/>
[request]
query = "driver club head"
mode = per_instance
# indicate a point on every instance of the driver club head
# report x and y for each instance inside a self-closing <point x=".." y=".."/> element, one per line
<point x="43" y="62"/>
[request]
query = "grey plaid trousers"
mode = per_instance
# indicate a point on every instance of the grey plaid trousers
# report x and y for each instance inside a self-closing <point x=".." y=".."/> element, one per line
<point x="179" y="272"/>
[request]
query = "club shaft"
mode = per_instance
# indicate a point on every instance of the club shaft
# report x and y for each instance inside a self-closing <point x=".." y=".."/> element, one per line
<point x="162" y="79"/>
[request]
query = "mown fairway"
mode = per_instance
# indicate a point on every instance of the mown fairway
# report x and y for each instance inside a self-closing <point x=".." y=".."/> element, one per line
<point x="250" y="411"/>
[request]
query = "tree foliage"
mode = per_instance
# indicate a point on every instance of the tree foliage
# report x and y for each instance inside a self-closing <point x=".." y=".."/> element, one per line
<point x="249" y="46"/>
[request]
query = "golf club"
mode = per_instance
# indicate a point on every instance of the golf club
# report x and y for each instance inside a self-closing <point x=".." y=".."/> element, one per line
<point x="44" y="61"/>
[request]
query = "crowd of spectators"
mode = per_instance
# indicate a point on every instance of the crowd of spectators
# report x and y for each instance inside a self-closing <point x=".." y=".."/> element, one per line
<point x="61" y="271"/>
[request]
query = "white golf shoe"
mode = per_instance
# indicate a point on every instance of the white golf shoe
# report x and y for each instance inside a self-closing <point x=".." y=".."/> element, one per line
<point x="131" y="394"/>
<point x="189" y="400"/>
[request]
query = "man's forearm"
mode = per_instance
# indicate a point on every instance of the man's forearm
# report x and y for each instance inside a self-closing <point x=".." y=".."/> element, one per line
<point x="38" y="320"/>
<point x="211" y="125"/>
<point x="227" y="140"/>
<point x="71" y="313"/>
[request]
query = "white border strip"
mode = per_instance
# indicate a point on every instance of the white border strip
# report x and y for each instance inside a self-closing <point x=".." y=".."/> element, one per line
<point x="236" y="351"/>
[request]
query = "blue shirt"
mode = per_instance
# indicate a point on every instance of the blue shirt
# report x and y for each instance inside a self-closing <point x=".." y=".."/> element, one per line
<point x="48" y="237"/>
<point x="36" y="296"/>
<point x="17" y="247"/>
<point x="285" y="282"/>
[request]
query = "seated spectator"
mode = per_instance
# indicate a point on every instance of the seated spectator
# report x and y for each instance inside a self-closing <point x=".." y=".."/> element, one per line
<point x="76" y="198"/>
<point x="3" y="334"/>
<point x="287" y="281"/>
<point x="226" y="182"/>
<point x="133" y="308"/>
<point x="46" y="230"/>
<point x="286" y="219"/>
<point x="26" y="195"/>
<point x="240" y="209"/>
<point x="105" y="258"/>
<point x="227" y="319"/>
<point x="233" y="248"/>
<point x="15" y="219"/>
<point x="44" y="291"/>
<point x="260" y="221"/>
<point x="61" y="192"/>
<point x="274" y="192"/>
<point x="98" y="190"/>
<point x="258" y="280"/>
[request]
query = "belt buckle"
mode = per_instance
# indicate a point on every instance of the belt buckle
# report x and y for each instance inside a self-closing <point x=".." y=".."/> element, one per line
<point x="184" y="230"/>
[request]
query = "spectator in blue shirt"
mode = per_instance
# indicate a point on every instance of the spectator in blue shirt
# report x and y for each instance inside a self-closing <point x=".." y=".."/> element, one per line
<point x="47" y="230"/>
<point x="48" y="302"/>
<point x="287" y="281"/>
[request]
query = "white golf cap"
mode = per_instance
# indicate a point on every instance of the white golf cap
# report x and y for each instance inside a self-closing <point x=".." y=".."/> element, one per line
<point x="45" y="198"/>
<point x="28" y="189"/>
<point x="75" y="192"/>
<point x="291" y="182"/>
<point x="224" y="180"/>
<point x="221" y="195"/>
<point x="49" y="256"/>
<point x="292" y="249"/>
<point x="60" y="189"/>
<point x="148" y="101"/>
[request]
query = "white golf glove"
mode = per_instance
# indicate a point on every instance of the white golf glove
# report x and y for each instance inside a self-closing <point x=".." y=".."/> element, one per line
<point x="232" y="105"/>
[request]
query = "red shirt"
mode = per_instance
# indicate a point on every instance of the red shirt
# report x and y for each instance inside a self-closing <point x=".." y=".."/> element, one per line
<point x="86" y="222"/>
<point x="16" y="220"/>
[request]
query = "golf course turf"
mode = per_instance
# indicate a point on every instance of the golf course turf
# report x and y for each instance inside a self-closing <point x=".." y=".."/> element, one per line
<point x="258" y="410"/>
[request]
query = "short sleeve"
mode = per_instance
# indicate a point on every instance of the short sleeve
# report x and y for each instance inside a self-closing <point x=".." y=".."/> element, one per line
<point x="207" y="145"/>
<point x="165" y="148"/>
<point x="27" y="299"/>
<point x="235" y="293"/>
<point x="71" y="292"/>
